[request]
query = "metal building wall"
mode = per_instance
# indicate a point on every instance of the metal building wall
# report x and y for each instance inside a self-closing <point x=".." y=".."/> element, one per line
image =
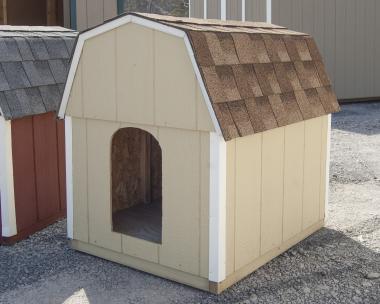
<point x="347" y="34"/>
<point x="89" y="13"/>
<point x="255" y="10"/>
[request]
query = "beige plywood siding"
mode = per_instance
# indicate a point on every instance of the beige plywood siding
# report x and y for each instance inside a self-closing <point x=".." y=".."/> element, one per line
<point x="99" y="77"/>
<point x="99" y="134"/>
<point x="185" y="195"/>
<point x="276" y="185"/>
<point x="94" y="12"/>
<point x="346" y="33"/>
<point x="150" y="81"/>
<point x="255" y="10"/>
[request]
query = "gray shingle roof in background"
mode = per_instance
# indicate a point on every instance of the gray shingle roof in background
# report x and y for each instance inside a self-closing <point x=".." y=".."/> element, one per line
<point x="34" y="63"/>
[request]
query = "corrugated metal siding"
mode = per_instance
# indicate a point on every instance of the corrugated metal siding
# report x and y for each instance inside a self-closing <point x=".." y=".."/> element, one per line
<point x="90" y="13"/>
<point x="255" y="10"/>
<point x="345" y="31"/>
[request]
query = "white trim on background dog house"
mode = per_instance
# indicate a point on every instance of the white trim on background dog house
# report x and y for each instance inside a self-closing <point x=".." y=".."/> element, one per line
<point x="217" y="205"/>
<point x="8" y="210"/>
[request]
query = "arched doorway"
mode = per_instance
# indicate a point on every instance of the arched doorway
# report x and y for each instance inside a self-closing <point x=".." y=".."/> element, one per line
<point x="137" y="184"/>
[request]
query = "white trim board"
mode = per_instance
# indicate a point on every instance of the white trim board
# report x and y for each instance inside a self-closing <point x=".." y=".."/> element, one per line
<point x="146" y="23"/>
<point x="8" y="210"/>
<point x="223" y="9"/>
<point x="69" y="177"/>
<point x="218" y="208"/>
<point x="269" y="11"/>
<point x="243" y="10"/>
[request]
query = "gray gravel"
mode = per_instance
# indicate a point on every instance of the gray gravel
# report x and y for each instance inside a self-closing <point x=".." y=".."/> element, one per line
<point x="339" y="264"/>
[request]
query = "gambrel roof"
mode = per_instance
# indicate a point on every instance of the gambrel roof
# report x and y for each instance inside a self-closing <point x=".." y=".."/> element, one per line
<point x="257" y="76"/>
<point x="34" y="63"/>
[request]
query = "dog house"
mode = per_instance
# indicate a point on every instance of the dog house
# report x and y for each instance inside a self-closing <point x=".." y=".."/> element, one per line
<point x="34" y="63"/>
<point x="197" y="150"/>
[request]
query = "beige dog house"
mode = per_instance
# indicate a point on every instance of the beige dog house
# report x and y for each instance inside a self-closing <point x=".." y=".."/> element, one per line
<point x="197" y="150"/>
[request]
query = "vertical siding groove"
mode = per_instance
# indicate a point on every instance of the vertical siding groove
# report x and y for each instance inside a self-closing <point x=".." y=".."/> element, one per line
<point x="303" y="171"/>
<point x="235" y="165"/>
<point x="58" y="169"/>
<point x="115" y="74"/>
<point x="283" y="185"/>
<point x="261" y="192"/>
<point x="88" y="211"/>
<point x="35" y="171"/>
<point x="159" y="247"/>
<point x="200" y="201"/>
<point x="154" y="78"/>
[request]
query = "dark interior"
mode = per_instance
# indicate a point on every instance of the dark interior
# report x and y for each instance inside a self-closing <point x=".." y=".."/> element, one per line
<point x="137" y="184"/>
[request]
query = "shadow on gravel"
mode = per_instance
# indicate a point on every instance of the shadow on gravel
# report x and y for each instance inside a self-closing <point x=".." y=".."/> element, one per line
<point x="362" y="118"/>
<point x="327" y="267"/>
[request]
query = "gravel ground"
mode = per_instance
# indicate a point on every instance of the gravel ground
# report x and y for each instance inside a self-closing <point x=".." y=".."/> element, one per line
<point x="336" y="265"/>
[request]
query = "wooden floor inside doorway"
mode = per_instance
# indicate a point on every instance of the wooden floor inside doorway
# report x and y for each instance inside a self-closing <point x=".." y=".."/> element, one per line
<point x="143" y="221"/>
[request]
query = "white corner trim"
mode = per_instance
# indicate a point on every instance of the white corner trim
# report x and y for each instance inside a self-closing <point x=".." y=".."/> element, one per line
<point x="204" y="9"/>
<point x="8" y="210"/>
<point x="243" y="10"/>
<point x="328" y="148"/>
<point x="269" y="11"/>
<point x="218" y="205"/>
<point x="143" y="22"/>
<point x="69" y="176"/>
<point x="223" y="9"/>
<point x="206" y="97"/>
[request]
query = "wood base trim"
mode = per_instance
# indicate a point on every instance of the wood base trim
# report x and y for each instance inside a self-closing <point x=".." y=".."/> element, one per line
<point x="139" y="264"/>
<point x="238" y="275"/>
<point x="21" y="235"/>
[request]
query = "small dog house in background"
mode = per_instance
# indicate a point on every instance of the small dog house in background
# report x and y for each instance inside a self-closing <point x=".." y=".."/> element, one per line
<point x="34" y="63"/>
<point x="197" y="150"/>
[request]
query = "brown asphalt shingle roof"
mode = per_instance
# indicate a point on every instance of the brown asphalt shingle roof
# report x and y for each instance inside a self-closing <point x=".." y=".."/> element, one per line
<point x="258" y="76"/>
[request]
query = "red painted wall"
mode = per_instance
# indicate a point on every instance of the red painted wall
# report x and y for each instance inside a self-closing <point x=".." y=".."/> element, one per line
<point x="38" y="147"/>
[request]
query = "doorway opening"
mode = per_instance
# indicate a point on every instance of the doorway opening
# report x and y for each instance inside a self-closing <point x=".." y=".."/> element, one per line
<point x="137" y="184"/>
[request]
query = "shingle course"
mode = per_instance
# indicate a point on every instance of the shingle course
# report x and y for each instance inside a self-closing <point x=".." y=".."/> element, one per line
<point x="258" y="76"/>
<point x="33" y="69"/>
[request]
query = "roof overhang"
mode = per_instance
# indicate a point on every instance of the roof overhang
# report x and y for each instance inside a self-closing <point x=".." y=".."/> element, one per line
<point x="120" y="21"/>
